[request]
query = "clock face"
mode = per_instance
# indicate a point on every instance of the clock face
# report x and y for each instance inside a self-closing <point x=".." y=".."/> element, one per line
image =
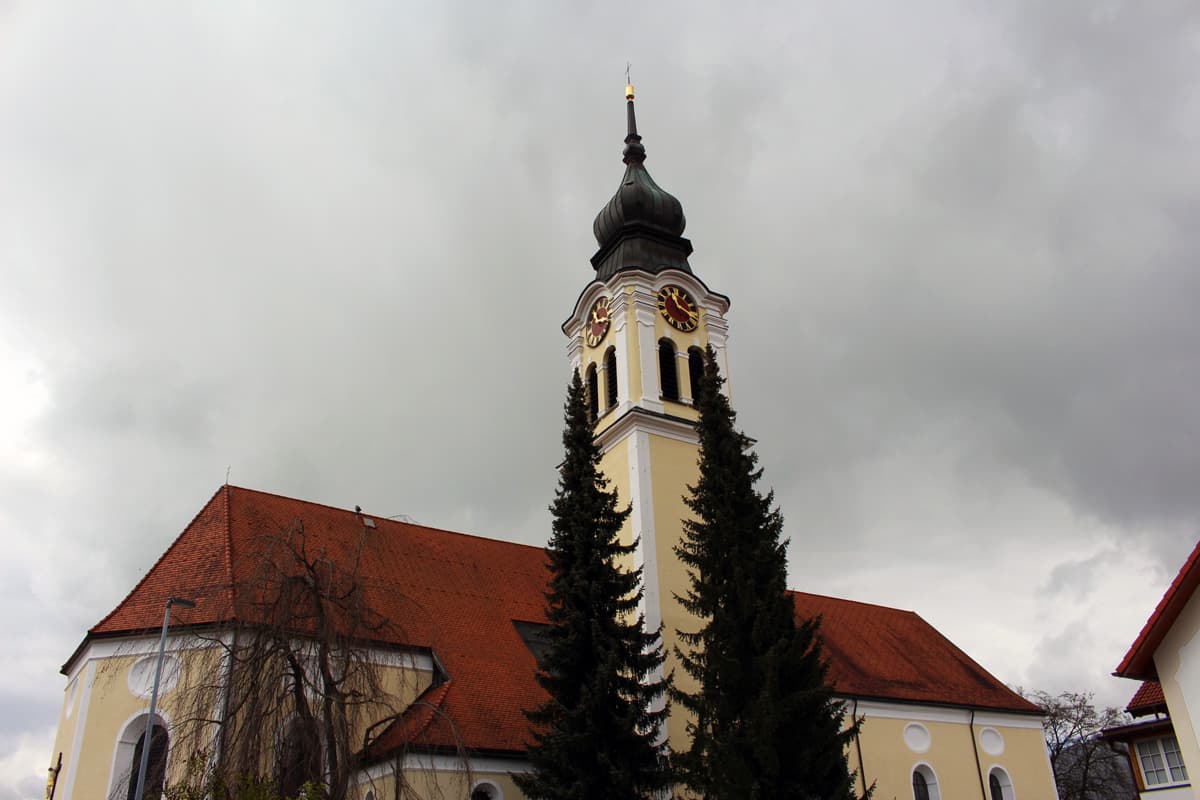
<point x="597" y="322"/>
<point x="678" y="309"/>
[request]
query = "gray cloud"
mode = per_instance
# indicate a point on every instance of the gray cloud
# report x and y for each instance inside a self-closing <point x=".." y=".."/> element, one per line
<point x="331" y="249"/>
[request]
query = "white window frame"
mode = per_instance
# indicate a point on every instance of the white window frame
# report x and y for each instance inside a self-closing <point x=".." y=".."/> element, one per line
<point x="489" y="785"/>
<point x="1006" y="784"/>
<point x="931" y="780"/>
<point x="1161" y="752"/>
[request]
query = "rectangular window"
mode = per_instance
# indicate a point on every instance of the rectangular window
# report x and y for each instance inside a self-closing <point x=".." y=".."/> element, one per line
<point x="1161" y="762"/>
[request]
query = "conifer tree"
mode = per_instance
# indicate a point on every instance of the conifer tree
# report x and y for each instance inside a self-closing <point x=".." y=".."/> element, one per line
<point x="598" y="735"/>
<point x="766" y="725"/>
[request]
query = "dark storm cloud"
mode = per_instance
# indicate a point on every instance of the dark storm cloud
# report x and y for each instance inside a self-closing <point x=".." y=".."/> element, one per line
<point x="330" y="249"/>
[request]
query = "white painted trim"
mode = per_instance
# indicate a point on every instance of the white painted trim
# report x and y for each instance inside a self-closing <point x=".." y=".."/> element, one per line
<point x="496" y="792"/>
<point x="437" y="762"/>
<point x="632" y="421"/>
<point x="681" y="371"/>
<point x="1011" y="793"/>
<point x="644" y="314"/>
<point x="619" y="313"/>
<point x="641" y="519"/>
<point x="409" y="658"/>
<point x="936" y="794"/>
<point x="935" y="713"/>
<point x="89" y="676"/>
<point x="123" y="731"/>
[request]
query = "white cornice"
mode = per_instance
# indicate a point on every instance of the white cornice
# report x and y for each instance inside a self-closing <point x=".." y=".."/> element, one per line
<point x="711" y="301"/>
<point x="920" y="712"/>
<point x="637" y="419"/>
<point x="436" y="762"/>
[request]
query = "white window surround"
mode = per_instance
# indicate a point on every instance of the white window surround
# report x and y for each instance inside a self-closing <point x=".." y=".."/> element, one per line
<point x="1006" y="784"/>
<point x="917" y="737"/>
<point x="140" y="677"/>
<point x="1160" y="762"/>
<point x="131" y="731"/>
<point x="992" y="741"/>
<point x="931" y="781"/>
<point x="492" y="790"/>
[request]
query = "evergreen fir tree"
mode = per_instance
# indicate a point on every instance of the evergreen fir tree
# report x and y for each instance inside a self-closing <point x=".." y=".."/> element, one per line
<point x="766" y="725"/>
<point x="598" y="735"/>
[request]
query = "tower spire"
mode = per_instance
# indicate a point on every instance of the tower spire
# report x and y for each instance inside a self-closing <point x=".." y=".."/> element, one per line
<point x="641" y="227"/>
<point x="634" y="150"/>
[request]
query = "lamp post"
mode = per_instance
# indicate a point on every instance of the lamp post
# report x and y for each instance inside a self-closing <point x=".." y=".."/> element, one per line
<point x="162" y="646"/>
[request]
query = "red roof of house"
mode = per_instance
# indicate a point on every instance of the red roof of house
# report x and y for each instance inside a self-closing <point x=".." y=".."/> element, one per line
<point x="1139" y="661"/>
<point x="458" y="595"/>
<point x="1147" y="699"/>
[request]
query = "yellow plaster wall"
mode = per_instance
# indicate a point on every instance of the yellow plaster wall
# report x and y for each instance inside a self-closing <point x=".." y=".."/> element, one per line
<point x="68" y="722"/>
<point x="112" y="704"/>
<point x="1177" y="661"/>
<point x="675" y="468"/>
<point x="889" y="762"/>
<point x="615" y="466"/>
<point x="436" y="784"/>
<point x="111" y="707"/>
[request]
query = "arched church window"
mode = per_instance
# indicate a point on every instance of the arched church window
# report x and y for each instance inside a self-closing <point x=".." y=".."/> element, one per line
<point x="924" y="783"/>
<point x="920" y="787"/>
<point x="695" y="370"/>
<point x="999" y="785"/>
<point x="610" y="377"/>
<point x="156" y="768"/>
<point x="486" y="790"/>
<point x="593" y="393"/>
<point x="299" y="758"/>
<point x="668" y="372"/>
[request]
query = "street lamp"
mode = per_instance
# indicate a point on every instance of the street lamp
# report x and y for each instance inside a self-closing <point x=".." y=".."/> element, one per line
<point x="162" y="646"/>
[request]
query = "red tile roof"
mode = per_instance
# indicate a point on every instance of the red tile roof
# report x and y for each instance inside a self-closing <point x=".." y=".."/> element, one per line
<point x="1148" y="699"/>
<point x="885" y="653"/>
<point x="1139" y="661"/>
<point x="458" y="595"/>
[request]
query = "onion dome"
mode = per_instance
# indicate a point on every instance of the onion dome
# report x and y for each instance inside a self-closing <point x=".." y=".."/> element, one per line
<point x="641" y="227"/>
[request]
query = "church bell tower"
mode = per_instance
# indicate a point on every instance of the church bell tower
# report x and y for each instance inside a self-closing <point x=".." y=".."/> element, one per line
<point x="637" y="335"/>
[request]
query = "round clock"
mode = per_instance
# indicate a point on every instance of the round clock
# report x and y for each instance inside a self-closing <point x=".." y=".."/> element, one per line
<point x="597" y="322"/>
<point x="678" y="309"/>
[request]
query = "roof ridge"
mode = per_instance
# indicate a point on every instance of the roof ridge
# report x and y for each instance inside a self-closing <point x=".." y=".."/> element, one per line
<point x="174" y="543"/>
<point x="963" y="653"/>
<point x="855" y="602"/>
<point x="381" y="519"/>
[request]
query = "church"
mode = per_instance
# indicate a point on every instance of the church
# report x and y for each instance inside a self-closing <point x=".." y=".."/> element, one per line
<point x="449" y="622"/>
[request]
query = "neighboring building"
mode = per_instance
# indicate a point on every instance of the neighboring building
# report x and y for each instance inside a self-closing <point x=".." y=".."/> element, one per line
<point x="1154" y="759"/>
<point x="461" y="657"/>
<point x="1167" y="653"/>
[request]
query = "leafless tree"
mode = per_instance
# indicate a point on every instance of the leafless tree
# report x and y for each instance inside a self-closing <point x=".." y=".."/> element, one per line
<point x="1085" y="766"/>
<point x="300" y="676"/>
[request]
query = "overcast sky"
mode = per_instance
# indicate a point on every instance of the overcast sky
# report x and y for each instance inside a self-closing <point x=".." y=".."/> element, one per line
<point x="329" y="249"/>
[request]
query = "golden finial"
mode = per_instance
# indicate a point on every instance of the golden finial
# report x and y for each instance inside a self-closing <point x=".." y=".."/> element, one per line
<point x="628" y="83"/>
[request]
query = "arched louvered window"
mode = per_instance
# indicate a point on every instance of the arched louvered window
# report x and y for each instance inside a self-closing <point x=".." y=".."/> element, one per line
<point x="695" y="370"/>
<point x="593" y="393"/>
<point x="610" y="377"/>
<point x="298" y="760"/>
<point x="920" y="787"/>
<point x="156" y="770"/>
<point x="667" y="371"/>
